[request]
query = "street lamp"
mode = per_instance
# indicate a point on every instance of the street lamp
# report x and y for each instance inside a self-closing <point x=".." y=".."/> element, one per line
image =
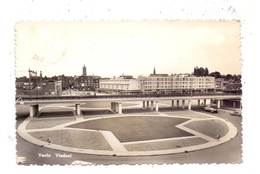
<point x="30" y="74"/>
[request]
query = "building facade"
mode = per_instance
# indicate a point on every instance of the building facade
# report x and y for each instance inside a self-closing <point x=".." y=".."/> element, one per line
<point x="122" y="84"/>
<point x="219" y="84"/>
<point x="86" y="83"/>
<point x="176" y="83"/>
<point x="163" y="83"/>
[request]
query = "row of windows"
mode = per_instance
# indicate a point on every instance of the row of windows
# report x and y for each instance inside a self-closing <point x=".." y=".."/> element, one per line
<point x="85" y="80"/>
<point x="180" y="79"/>
<point x="113" y="81"/>
<point x="178" y="87"/>
<point x="115" y="86"/>
<point x="150" y="83"/>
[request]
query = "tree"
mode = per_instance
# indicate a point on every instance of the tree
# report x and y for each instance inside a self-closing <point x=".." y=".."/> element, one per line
<point x="228" y="77"/>
<point x="199" y="72"/>
<point x="206" y="71"/>
<point x="215" y="74"/>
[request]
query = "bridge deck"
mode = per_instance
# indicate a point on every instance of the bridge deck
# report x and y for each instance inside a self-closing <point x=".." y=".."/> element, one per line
<point x="117" y="98"/>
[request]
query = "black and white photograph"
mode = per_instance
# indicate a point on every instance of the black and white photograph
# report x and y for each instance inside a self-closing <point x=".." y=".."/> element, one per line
<point x="128" y="92"/>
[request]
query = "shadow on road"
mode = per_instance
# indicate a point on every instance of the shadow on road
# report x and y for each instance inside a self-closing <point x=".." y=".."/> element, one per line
<point x="96" y="112"/>
<point x="56" y="114"/>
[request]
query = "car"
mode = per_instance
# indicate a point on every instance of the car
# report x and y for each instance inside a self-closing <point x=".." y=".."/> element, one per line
<point x="211" y="109"/>
<point x="236" y="113"/>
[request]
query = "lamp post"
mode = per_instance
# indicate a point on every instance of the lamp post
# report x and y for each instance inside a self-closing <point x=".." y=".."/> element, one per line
<point x="191" y="85"/>
<point x="30" y="72"/>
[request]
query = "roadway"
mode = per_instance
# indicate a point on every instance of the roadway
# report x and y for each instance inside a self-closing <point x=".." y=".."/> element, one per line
<point x="224" y="153"/>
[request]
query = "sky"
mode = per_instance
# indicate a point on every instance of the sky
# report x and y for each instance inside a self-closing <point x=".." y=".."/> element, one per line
<point x="113" y="48"/>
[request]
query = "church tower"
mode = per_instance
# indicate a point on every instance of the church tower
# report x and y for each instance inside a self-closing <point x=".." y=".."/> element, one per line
<point x="84" y="73"/>
<point x="40" y="76"/>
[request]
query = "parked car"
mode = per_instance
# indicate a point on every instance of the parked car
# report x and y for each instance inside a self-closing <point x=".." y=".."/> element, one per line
<point x="236" y="113"/>
<point x="212" y="109"/>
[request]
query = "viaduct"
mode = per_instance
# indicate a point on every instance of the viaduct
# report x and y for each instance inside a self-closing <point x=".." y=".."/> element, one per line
<point x="149" y="101"/>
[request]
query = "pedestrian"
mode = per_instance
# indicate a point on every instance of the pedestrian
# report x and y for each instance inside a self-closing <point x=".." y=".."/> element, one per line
<point x="49" y="140"/>
<point x="218" y="137"/>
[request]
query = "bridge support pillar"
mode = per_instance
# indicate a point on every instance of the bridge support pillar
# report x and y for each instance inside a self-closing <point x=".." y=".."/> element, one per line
<point x="152" y="105"/>
<point x="112" y="106"/>
<point x="172" y="103"/>
<point x="156" y="106"/>
<point x="178" y="103"/>
<point x="183" y="103"/>
<point x="143" y="104"/>
<point x="34" y="110"/>
<point x="116" y="107"/>
<point x="147" y="104"/>
<point x="199" y="102"/>
<point x="189" y="104"/>
<point x="119" y="107"/>
<point x="77" y="108"/>
<point x="205" y="102"/>
<point x="218" y="104"/>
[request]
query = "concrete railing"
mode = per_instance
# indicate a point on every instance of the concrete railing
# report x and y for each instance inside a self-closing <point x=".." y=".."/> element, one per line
<point x="52" y="97"/>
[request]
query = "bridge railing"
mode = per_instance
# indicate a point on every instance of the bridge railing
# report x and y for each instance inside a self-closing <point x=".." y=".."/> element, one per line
<point x="57" y="97"/>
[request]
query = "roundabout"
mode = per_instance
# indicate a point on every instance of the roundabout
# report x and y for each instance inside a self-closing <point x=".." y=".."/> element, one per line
<point x="154" y="133"/>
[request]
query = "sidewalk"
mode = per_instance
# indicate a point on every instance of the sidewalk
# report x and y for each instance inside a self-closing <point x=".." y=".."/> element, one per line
<point x="228" y="109"/>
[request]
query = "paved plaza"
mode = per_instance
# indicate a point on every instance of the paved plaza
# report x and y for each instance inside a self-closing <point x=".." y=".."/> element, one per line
<point x="128" y="134"/>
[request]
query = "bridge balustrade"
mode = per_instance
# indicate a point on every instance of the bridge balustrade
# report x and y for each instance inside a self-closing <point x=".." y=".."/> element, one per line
<point x="44" y="97"/>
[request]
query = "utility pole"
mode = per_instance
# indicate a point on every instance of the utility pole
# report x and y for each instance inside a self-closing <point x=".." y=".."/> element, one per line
<point x="191" y="81"/>
<point x="30" y="72"/>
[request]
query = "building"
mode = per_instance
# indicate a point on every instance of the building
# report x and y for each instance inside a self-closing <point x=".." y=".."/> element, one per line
<point x="122" y="84"/>
<point x="159" y="83"/>
<point x="84" y="71"/>
<point x="48" y="88"/>
<point x="66" y="81"/>
<point x="23" y="86"/>
<point x="37" y="85"/>
<point x="182" y="83"/>
<point x="86" y="83"/>
<point x="219" y="84"/>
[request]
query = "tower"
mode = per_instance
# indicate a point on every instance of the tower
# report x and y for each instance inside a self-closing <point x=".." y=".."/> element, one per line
<point x="84" y="73"/>
<point x="154" y="72"/>
<point x="40" y="77"/>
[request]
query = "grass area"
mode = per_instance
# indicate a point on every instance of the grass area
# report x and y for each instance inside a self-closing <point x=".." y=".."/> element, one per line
<point x="211" y="128"/>
<point x="74" y="138"/>
<point x="128" y="129"/>
<point x="47" y="123"/>
<point x="164" y="145"/>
